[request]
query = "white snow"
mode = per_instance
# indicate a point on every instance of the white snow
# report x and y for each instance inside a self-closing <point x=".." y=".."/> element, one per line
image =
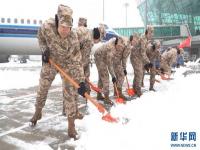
<point x="14" y="75"/>
<point x="152" y="118"/>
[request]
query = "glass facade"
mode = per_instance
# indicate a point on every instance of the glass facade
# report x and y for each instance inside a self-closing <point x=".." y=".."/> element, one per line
<point x="171" y="12"/>
<point x="159" y="31"/>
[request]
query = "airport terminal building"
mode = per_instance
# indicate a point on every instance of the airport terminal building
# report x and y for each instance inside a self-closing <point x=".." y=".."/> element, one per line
<point x="174" y="21"/>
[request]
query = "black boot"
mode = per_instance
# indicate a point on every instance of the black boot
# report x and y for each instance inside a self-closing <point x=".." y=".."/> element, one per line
<point x="115" y="92"/>
<point x="107" y="100"/>
<point x="121" y="95"/>
<point x="138" y="91"/>
<point x="63" y="111"/>
<point x="71" y="128"/>
<point x="37" y="116"/>
<point x="100" y="96"/>
<point x="151" y="88"/>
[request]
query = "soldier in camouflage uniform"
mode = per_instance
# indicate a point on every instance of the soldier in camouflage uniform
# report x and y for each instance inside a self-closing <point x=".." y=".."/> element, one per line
<point x="86" y="43"/>
<point x="119" y="65"/>
<point x="102" y="31"/>
<point x="82" y="22"/>
<point x="168" y="58"/>
<point x="60" y="43"/>
<point x="139" y="58"/>
<point x="104" y="62"/>
<point x="153" y="53"/>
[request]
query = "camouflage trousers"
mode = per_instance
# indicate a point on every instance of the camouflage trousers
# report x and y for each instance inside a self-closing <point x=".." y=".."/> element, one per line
<point x="138" y="68"/>
<point x="152" y="73"/>
<point x="119" y="72"/>
<point x="167" y="68"/>
<point x="86" y="70"/>
<point x="103" y="74"/>
<point x="70" y="95"/>
<point x="152" y="76"/>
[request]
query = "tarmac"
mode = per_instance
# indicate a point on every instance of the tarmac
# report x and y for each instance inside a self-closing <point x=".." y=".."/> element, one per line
<point x="17" y="108"/>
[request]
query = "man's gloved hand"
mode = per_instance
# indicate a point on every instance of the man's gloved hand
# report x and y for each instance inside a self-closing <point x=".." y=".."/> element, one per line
<point x="162" y="70"/>
<point x="173" y="71"/>
<point x="82" y="89"/>
<point x="178" y="65"/>
<point x="81" y="46"/>
<point x="114" y="80"/>
<point x="45" y="56"/>
<point x="148" y="66"/>
<point x="125" y="72"/>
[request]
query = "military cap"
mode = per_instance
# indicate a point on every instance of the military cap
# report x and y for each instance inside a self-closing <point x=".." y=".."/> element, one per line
<point x="102" y="30"/>
<point x="150" y="28"/>
<point x="82" y="21"/>
<point x="136" y="35"/>
<point x="65" y="15"/>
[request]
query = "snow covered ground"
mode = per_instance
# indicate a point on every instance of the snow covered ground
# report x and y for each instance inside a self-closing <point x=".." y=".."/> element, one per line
<point x="156" y="120"/>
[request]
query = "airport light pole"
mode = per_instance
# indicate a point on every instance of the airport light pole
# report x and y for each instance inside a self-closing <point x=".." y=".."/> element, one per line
<point x="103" y="11"/>
<point x="126" y="6"/>
<point x="146" y="11"/>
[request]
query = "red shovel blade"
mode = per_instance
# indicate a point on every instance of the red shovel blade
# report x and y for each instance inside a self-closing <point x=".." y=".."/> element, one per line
<point x="119" y="100"/>
<point x="163" y="77"/>
<point x="109" y="118"/>
<point x="130" y="91"/>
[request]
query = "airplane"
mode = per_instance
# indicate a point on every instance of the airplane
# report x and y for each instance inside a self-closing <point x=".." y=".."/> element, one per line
<point x="18" y="36"/>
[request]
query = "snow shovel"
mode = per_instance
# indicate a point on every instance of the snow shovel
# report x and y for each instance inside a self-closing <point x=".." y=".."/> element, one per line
<point x="106" y="116"/>
<point x="163" y="77"/>
<point x="118" y="99"/>
<point x="130" y="91"/>
<point x="93" y="87"/>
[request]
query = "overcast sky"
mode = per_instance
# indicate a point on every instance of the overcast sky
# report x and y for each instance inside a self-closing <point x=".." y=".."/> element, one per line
<point x="114" y="10"/>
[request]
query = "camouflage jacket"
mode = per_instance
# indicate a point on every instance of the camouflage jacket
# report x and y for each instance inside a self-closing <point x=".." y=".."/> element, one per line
<point x="169" y="57"/>
<point x="86" y="43"/>
<point x="153" y="54"/>
<point x="140" y="50"/>
<point x="105" y="53"/>
<point x="65" y="52"/>
<point x="121" y="55"/>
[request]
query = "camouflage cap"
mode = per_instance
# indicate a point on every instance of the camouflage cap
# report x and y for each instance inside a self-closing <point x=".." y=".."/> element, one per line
<point x="136" y="35"/>
<point x="65" y="15"/>
<point x="102" y="30"/>
<point x="150" y="28"/>
<point x="125" y="40"/>
<point x="82" y="21"/>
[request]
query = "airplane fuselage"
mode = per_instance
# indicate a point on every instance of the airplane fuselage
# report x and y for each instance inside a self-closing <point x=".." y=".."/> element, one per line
<point x="19" y="40"/>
